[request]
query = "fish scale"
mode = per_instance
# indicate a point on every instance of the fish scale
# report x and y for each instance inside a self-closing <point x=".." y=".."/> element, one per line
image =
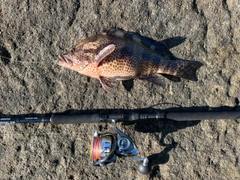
<point x="119" y="55"/>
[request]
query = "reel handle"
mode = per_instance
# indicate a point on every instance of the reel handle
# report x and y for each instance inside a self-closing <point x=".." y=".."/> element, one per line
<point x="144" y="165"/>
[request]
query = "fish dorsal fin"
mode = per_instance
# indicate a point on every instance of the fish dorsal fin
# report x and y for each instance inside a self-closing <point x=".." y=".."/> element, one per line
<point x="154" y="45"/>
<point x="104" y="53"/>
<point x="122" y="34"/>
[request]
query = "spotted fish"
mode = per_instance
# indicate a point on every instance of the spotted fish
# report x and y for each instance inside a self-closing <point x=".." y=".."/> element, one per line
<point x="119" y="55"/>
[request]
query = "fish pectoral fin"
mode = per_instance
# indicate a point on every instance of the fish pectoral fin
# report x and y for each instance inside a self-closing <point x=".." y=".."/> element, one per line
<point x="107" y="84"/>
<point x="104" y="53"/>
<point x="155" y="79"/>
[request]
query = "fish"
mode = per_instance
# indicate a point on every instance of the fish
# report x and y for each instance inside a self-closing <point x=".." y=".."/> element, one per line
<point x="118" y="55"/>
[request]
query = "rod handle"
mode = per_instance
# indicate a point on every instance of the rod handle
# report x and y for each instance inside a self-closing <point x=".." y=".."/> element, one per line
<point x="74" y="118"/>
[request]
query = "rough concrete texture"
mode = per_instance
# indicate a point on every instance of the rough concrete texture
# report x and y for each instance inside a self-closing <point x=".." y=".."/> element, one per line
<point x="33" y="34"/>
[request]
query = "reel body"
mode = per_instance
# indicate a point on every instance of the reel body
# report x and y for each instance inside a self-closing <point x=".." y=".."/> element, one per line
<point x="106" y="147"/>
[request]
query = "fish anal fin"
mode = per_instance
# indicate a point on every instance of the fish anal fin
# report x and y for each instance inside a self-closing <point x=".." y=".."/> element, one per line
<point x="155" y="79"/>
<point x="171" y="78"/>
<point x="107" y="84"/>
<point x="104" y="53"/>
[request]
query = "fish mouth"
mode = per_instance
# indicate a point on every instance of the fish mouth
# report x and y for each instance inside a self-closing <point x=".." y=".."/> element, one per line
<point x="64" y="60"/>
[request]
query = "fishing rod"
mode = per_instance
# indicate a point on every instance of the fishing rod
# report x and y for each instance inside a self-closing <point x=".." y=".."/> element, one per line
<point x="107" y="146"/>
<point x="132" y="117"/>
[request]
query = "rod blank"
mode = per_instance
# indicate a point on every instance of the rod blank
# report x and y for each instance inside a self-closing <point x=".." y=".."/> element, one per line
<point x="26" y="119"/>
<point x="193" y="116"/>
<point x="133" y="117"/>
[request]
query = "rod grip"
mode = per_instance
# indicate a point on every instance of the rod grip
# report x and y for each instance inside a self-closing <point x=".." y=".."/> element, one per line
<point x="74" y="118"/>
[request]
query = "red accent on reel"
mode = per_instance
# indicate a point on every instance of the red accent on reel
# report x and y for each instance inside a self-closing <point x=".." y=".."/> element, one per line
<point x="97" y="148"/>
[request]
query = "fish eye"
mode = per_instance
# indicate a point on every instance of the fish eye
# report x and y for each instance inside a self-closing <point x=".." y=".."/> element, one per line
<point x="71" y="51"/>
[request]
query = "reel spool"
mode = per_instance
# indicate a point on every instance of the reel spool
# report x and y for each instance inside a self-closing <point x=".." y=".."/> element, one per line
<point x="103" y="148"/>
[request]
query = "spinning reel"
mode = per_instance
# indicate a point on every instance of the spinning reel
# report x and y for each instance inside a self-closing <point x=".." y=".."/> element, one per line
<point x="106" y="147"/>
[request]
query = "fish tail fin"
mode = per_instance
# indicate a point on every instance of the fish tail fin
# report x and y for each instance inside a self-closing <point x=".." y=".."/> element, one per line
<point x="180" y="68"/>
